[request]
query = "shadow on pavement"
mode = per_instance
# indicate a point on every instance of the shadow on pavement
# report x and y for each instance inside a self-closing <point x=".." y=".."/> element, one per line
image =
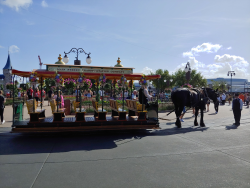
<point x="57" y="142"/>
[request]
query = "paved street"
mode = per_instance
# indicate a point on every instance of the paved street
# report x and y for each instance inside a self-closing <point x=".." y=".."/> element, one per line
<point x="217" y="155"/>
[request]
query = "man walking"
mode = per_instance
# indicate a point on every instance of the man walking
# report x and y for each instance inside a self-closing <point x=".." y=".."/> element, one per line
<point x="2" y="101"/>
<point x="223" y="98"/>
<point x="237" y="107"/>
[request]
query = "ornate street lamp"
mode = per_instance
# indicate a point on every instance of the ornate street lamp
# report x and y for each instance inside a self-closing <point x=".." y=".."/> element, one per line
<point x="245" y="86"/>
<point x="188" y="71"/>
<point x="77" y="51"/>
<point x="232" y="73"/>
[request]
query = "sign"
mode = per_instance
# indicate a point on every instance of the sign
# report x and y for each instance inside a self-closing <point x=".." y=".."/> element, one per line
<point x="91" y="70"/>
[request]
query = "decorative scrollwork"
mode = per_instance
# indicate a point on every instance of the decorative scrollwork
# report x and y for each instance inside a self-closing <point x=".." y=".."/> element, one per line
<point x="77" y="51"/>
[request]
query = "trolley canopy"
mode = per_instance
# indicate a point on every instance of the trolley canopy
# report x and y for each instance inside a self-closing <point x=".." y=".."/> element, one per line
<point x="91" y="72"/>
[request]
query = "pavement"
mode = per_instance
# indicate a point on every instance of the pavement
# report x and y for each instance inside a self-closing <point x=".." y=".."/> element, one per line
<point x="217" y="155"/>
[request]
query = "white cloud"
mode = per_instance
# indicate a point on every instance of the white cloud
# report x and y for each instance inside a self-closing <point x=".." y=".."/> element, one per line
<point x="229" y="48"/>
<point x="205" y="47"/>
<point x="16" y="4"/>
<point x="236" y="60"/>
<point x="44" y="4"/>
<point x="14" y="49"/>
<point x="147" y="70"/>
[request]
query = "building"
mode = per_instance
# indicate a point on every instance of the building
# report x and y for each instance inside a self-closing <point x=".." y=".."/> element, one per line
<point x="238" y="84"/>
<point x="6" y="76"/>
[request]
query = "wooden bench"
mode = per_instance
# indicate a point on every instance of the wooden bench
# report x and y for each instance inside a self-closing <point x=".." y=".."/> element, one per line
<point x="117" y="111"/>
<point x="34" y="113"/>
<point x="57" y="114"/>
<point x="136" y="109"/>
<point x="98" y="112"/>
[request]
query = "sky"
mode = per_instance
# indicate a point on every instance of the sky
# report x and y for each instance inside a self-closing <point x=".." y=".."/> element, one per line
<point x="213" y="36"/>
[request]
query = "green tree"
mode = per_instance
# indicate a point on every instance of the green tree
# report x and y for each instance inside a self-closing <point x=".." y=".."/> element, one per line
<point x="220" y="85"/>
<point x="196" y="79"/>
<point x="159" y="83"/>
<point x="48" y="83"/>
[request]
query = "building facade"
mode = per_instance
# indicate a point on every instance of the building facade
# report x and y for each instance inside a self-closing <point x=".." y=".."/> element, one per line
<point x="237" y="85"/>
<point x="6" y="76"/>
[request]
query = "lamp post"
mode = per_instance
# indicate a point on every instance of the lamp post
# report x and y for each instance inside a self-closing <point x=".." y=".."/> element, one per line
<point x="232" y="73"/>
<point x="245" y="86"/>
<point x="188" y="71"/>
<point x="77" y="51"/>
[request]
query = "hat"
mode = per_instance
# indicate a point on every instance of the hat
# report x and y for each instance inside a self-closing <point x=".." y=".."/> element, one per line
<point x="236" y="94"/>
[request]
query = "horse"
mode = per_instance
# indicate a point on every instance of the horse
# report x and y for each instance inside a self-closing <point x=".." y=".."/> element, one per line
<point x="193" y="98"/>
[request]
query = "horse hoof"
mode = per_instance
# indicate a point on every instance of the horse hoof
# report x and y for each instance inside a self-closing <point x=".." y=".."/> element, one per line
<point x="196" y="124"/>
<point x="203" y="125"/>
<point x="178" y="125"/>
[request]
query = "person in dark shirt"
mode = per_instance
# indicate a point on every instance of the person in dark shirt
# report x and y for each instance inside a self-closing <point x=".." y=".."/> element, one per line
<point x="237" y="107"/>
<point x="50" y="92"/>
<point x="2" y="101"/>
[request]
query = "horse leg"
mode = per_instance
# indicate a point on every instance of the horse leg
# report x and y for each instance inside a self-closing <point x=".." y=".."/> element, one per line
<point x="177" y="113"/>
<point x="196" y="114"/>
<point x="202" y="124"/>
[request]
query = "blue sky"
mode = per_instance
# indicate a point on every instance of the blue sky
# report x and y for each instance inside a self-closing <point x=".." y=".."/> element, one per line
<point x="147" y="35"/>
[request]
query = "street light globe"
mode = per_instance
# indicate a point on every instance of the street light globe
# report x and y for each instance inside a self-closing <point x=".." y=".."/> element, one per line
<point x="186" y="69"/>
<point x="88" y="59"/>
<point x="65" y="59"/>
<point x="165" y="80"/>
<point x="171" y="80"/>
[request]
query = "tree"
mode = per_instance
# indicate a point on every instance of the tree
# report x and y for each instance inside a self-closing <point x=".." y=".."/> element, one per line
<point x="160" y="84"/>
<point x="220" y="85"/>
<point x="196" y="79"/>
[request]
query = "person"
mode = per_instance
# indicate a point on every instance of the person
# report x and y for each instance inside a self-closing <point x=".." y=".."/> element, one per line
<point x="223" y="97"/>
<point x="182" y="115"/>
<point x="144" y="97"/>
<point x="19" y="95"/>
<point x="247" y="100"/>
<point x="237" y="108"/>
<point x="89" y="95"/>
<point x="208" y="103"/>
<point x="229" y="99"/>
<point x="62" y="101"/>
<point x="2" y="101"/>
<point x="43" y="95"/>
<point x="30" y="93"/>
<point x="50" y="92"/>
<point x="241" y="96"/>
<point x="37" y="95"/>
<point x="134" y="95"/>
<point x="125" y="94"/>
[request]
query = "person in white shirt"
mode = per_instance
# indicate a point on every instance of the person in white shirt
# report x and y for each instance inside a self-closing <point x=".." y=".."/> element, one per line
<point x="146" y="93"/>
<point x="223" y="98"/>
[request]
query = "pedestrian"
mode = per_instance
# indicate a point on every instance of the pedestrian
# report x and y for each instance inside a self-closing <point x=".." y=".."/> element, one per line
<point x="237" y="108"/>
<point x="2" y="101"/>
<point x="43" y="95"/>
<point x="216" y="105"/>
<point x="50" y="92"/>
<point x="182" y="115"/>
<point x="29" y="93"/>
<point x="37" y="95"/>
<point x="247" y="100"/>
<point x="223" y="97"/>
<point x="229" y="99"/>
